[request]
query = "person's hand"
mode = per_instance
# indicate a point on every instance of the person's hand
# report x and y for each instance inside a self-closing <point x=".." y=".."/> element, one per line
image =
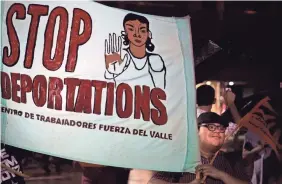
<point x="209" y="170"/>
<point x="195" y="181"/>
<point x="114" y="62"/>
<point x="229" y="97"/>
<point x="261" y="145"/>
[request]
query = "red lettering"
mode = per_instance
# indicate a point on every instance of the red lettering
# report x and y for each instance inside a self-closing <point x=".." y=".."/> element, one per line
<point x="26" y="86"/>
<point x="77" y="39"/>
<point x="56" y="62"/>
<point x="12" y="59"/>
<point x="99" y="85"/>
<point x="54" y="93"/>
<point x="71" y="84"/>
<point x="142" y="103"/>
<point x="36" y="11"/>
<point x="128" y="102"/>
<point x="110" y="99"/>
<point x="83" y="101"/>
<point x="5" y="86"/>
<point x="15" y="87"/>
<point x="39" y="90"/>
<point x="158" y="115"/>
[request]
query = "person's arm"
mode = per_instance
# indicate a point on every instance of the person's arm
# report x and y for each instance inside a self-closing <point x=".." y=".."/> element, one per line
<point x="157" y="67"/>
<point x="235" y="113"/>
<point x="229" y="99"/>
<point x="164" y="178"/>
<point x="157" y="181"/>
<point x="247" y="154"/>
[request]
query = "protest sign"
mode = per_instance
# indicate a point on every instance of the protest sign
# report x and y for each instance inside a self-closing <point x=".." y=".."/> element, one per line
<point x="260" y="120"/>
<point x="100" y="85"/>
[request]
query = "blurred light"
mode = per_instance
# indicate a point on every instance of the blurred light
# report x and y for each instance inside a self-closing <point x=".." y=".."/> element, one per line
<point x="141" y="3"/>
<point x="231" y="83"/>
<point x="208" y="82"/>
<point x="250" y="12"/>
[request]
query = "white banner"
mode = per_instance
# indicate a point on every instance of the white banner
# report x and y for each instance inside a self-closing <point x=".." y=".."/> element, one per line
<point x="101" y="85"/>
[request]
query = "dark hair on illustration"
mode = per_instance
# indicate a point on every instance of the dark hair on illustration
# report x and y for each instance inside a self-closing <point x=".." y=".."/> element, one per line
<point x="149" y="45"/>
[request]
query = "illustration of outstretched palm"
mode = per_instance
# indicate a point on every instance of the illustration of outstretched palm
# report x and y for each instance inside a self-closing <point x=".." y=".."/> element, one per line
<point x="113" y="59"/>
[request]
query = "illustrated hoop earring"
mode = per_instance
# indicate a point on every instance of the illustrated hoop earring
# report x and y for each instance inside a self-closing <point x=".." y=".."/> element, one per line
<point x="150" y="35"/>
<point x="123" y="33"/>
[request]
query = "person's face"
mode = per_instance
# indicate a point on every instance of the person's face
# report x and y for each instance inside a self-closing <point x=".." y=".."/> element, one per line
<point x="137" y="32"/>
<point x="212" y="134"/>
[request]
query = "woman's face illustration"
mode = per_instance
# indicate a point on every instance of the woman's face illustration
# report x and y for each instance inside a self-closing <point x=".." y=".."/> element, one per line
<point x="137" y="32"/>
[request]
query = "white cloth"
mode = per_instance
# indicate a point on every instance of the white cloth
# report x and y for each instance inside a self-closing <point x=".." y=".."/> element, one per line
<point x="200" y="111"/>
<point x="138" y="176"/>
<point x="253" y="139"/>
<point x="134" y="71"/>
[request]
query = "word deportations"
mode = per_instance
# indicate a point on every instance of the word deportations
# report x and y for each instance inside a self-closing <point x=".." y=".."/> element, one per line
<point x="128" y="101"/>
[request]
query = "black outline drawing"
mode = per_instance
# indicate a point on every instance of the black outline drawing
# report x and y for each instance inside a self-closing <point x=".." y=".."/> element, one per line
<point x="114" y="46"/>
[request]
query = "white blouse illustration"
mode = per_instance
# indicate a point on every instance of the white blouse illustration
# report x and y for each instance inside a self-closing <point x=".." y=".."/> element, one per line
<point x="137" y="59"/>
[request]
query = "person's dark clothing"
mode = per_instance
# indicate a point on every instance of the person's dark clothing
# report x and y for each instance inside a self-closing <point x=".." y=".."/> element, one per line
<point x="11" y="157"/>
<point x="105" y="175"/>
<point x="220" y="163"/>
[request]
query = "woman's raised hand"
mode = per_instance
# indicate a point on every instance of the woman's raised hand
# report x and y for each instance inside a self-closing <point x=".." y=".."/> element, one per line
<point x="113" y="60"/>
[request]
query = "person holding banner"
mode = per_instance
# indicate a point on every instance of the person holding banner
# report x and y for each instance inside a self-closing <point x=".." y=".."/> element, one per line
<point x="138" y="58"/>
<point x="212" y="129"/>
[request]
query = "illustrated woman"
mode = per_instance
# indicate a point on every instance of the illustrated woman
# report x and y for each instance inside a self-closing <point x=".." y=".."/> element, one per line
<point x="136" y="60"/>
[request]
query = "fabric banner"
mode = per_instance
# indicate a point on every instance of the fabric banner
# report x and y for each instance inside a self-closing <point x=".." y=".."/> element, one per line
<point x="261" y="120"/>
<point x="100" y="85"/>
